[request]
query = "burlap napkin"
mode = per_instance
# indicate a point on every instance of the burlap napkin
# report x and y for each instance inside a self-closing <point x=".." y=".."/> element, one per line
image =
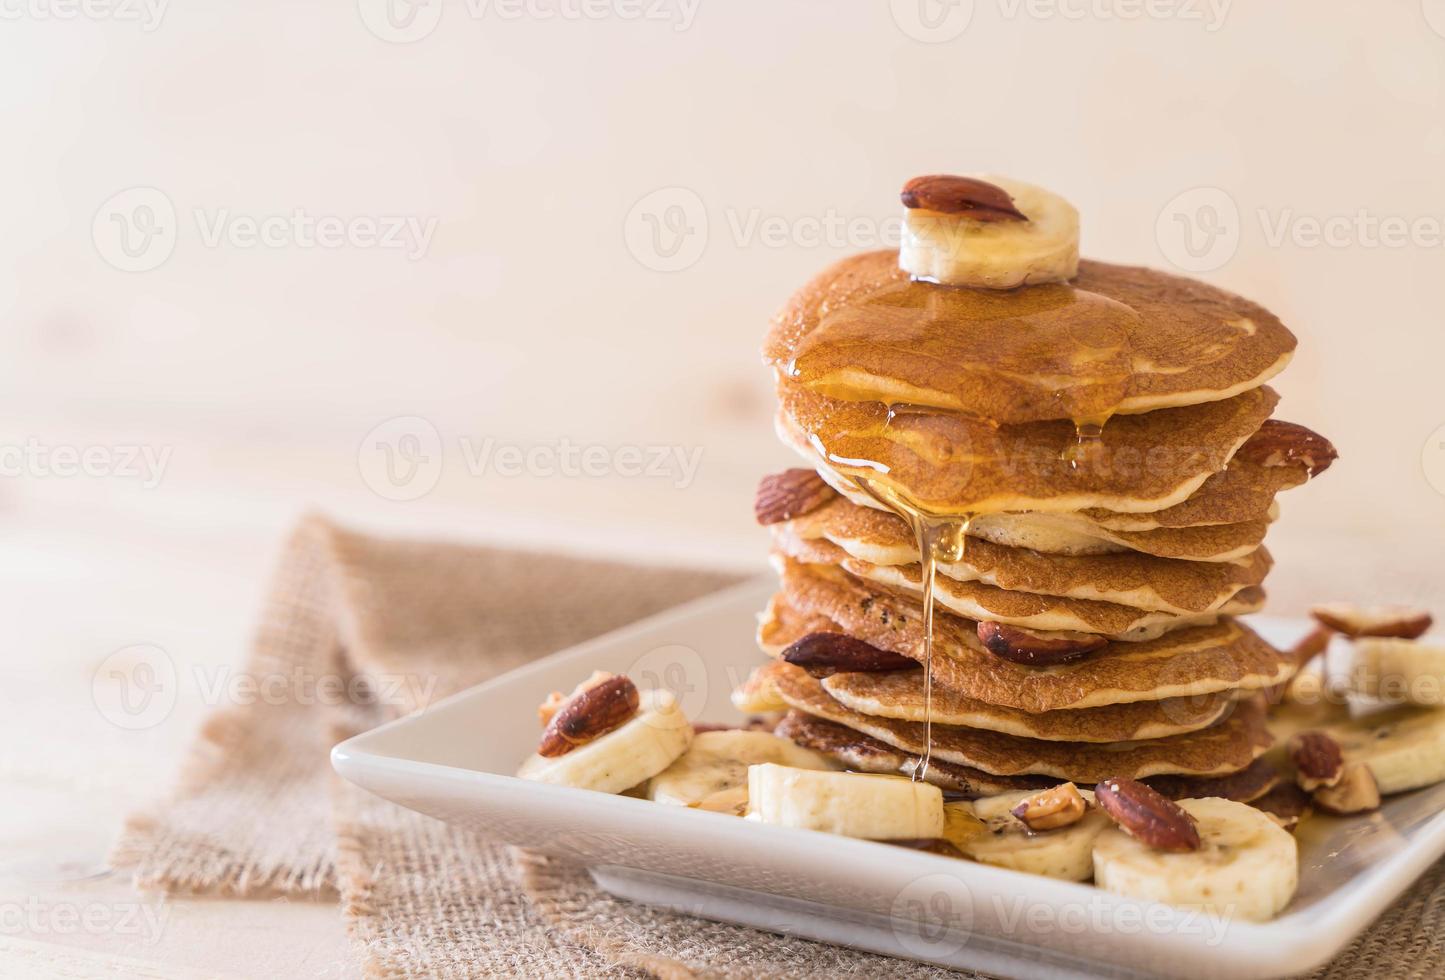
<point x="356" y="629"/>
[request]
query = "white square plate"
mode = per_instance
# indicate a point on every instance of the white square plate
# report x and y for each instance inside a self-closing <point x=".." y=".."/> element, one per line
<point x="455" y="761"/>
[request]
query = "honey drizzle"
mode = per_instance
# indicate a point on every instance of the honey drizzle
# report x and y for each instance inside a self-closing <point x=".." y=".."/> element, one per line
<point x="938" y="539"/>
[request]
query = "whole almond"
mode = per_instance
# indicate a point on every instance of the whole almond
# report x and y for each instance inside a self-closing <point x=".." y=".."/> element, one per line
<point x="967" y="197"/>
<point x="1147" y="816"/>
<point x="1318" y="759"/>
<point x="1280" y="443"/>
<point x="789" y="494"/>
<point x="840" y="653"/>
<point x="1023" y="646"/>
<point x="589" y="715"/>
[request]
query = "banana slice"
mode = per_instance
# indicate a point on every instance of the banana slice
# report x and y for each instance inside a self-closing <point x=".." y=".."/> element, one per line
<point x="960" y="251"/>
<point x="624" y="757"/>
<point x="848" y="803"/>
<point x="1066" y="853"/>
<point x="1404" y="747"/>
<point x="718" y="761"/>
<point x="1398" y="671"/>
<point x="1247" y="866"/>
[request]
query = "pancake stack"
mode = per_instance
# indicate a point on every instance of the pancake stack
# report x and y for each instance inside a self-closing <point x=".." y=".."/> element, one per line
<point x="1079" y="470"/>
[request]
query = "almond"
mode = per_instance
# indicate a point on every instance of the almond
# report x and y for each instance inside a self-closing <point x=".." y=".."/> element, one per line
<point x="1355" y="621"/>
<point x="840" y="653"/>
<point x="548" y="708"/>
<point x="789" y="494"/>
<point x="1356" y="792"/>
<point x="1318" y="759"/>
<point x="589" y="715"/>
<point x="1038" y="649"/>
<point x="1146" y="815"/>
<point x="1287" y="804"/>
<point x="1287" y="444"/>
<point x="1052" y="809"/>
<point x="967" y="197"/>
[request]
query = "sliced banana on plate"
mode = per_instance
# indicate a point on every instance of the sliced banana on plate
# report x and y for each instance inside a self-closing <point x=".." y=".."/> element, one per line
<point x="717" y="762"/>
<point x="1067" y="852"/>
<point x="1247" y="866"/>
<point x="989" y="232"/>
<point x="1403" y="747"/>
<point x="1398" y="670"/>
<point x="852" y="804"/>
<point x="625" y="756"/>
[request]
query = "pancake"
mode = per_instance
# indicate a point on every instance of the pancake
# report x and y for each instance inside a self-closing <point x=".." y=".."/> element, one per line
<point x="1077" y="534"/>
<point x="1199" y="660"/>
<point x="953" y="465"/>
<point x="1224" y="748"/>
<point x="1129" y="579"/>
<point x="1045" y="613"/>
<point x="900" y="694"/>
<point x="1242" y="492"/>
<point x="860" y="753"/>
<point x="1116" y="340"/>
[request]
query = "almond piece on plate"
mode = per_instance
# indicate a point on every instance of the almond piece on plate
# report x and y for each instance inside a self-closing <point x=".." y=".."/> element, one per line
<point x="1318" y="759"/>
<point x="1023" y="646"/>
<point x="589" y="715"/>
<point x="556" y="699"/>
<point x="838" y="652"/>
<point x="789" y="494"/>
<point x="1147" y="816"/>
<point x="1052" y="808"/>
<point x="1401" y="622"/>
<point x="1356" y="792"/>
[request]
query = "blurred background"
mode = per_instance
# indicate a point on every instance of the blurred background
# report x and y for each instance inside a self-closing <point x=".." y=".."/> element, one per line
<point x="499" y="269"/>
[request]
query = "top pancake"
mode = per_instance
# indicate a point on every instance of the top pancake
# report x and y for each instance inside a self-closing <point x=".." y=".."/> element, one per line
<point x="1117" y="340"/>
<point x="949" y="464"/>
